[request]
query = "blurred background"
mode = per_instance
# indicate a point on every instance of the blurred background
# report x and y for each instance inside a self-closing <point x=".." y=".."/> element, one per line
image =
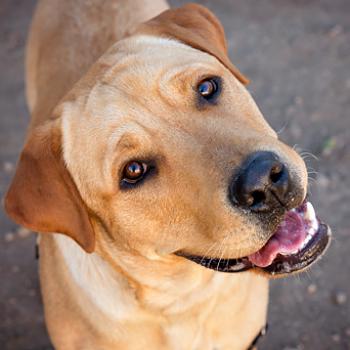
<point x="297" y="55"/>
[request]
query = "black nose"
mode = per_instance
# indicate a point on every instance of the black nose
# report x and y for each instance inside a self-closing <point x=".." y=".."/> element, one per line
<point x="262" y="183"/>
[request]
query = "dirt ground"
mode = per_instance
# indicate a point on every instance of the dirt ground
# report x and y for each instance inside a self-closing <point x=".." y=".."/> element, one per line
<point x="297" y="54"/>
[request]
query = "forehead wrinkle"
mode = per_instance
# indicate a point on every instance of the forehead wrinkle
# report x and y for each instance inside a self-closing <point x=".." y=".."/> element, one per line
<point x="128" y="142"/>
<point x="123" y="65"/>
<point x="145" y="56"/>
<point x="124" y="138"/>
<point x="127" y="52"/>
<point x="128" y="136"/>
<point x="177" y="80"/>
<point x="184" y="70"/>
<point x="138" y="60"/>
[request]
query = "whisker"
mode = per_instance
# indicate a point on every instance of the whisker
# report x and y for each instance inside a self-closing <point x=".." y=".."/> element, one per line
<point x="222" y="245"/>
<point x="205" y="255"/>
<point x="309" y="154"/>
<point x="283" y="128"/>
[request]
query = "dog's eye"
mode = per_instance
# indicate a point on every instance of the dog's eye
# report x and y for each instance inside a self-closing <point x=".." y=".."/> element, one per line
<point x="208" y="88"/>
<point x="134" y="171"/>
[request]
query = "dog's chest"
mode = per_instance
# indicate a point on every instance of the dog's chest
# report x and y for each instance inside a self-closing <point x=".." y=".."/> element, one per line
<point x="221" y="313"/>
<point x="224" y="321"/>
<point x="226" y="313"/>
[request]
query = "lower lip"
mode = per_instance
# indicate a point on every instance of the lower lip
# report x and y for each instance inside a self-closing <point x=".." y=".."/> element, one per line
<point x="306" y="257"/>
<point x="281" y="265"/>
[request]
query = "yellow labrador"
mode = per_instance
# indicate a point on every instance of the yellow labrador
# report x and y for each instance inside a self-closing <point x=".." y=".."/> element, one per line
<point x="156" y="175"/>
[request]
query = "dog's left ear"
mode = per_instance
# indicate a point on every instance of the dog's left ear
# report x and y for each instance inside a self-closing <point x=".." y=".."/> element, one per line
<point x="195" y="26"/>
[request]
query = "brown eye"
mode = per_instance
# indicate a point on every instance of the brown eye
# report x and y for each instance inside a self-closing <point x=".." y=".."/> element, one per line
<point x="207" y="88"/>
<point x="134" y="171"/>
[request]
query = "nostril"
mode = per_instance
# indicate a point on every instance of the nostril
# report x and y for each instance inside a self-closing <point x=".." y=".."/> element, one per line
<point x="276" y="173"/>
<point x="258" y="197"/>
<point x="275" y="177"/>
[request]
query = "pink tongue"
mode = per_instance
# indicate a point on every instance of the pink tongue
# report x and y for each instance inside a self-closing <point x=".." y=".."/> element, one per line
<point x="288" y="237"/>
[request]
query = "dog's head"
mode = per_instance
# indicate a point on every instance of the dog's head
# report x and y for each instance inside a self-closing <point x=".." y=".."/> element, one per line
<point x="160" y="150"/>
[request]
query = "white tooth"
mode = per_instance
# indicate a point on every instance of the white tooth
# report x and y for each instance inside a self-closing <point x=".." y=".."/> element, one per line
<point x="310" y="213"/>
<point x="306" y="241"/>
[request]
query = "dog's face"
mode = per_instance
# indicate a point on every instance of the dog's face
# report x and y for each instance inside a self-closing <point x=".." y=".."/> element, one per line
<point x="148" y="117"/>
<point x="170" y="155"/>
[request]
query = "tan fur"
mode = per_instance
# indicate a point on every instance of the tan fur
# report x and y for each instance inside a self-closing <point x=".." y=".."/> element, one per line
<point x="90" y="116"/>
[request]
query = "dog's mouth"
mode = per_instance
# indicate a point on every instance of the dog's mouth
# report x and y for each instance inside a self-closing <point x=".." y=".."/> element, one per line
<point x="299" y="241"/>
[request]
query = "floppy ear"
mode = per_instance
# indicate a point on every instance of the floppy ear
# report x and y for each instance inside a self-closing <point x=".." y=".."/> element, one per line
<point x="195" y="26"/>
<point x="43" y="196"/>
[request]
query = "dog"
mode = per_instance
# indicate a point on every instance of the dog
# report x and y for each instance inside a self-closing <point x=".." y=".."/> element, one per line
<point x="163" y="199"/>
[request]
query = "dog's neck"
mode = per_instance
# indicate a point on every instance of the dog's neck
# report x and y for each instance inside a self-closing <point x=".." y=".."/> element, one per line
<point x="120" y="291"/>
<point x="182" y="304"/>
